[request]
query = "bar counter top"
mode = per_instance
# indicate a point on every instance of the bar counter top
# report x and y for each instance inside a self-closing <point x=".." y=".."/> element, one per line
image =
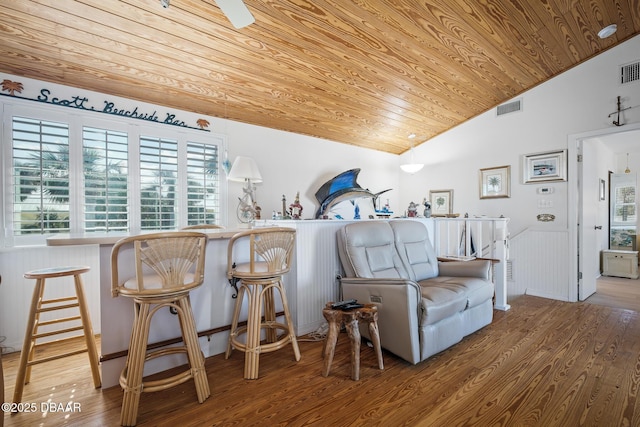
<point x="111" y="238"/>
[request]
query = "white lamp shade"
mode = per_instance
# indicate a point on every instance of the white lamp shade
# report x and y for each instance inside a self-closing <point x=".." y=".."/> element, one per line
<point x="244" y="168"/>
<point x="411" y="167"/>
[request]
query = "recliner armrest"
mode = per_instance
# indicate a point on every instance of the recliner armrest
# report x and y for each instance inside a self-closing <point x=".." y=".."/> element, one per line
<point x="399" y="311"/>
<point x="475" y="268"/>
<point x="379" y="281"/>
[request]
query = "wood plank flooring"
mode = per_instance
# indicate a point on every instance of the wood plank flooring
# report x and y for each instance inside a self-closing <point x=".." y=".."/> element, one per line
<point x="543" y="363"/>
<point x="617" y="292"/>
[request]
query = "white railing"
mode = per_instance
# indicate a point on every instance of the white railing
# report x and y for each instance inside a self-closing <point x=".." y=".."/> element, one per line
<point x="477" y="238"/>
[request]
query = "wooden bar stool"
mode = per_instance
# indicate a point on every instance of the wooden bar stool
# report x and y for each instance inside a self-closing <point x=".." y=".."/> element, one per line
<point x="350" y="318"/>
<point x="270" y="251"/>
<point x="40" y="305"/>
<point x="167" y="267"/>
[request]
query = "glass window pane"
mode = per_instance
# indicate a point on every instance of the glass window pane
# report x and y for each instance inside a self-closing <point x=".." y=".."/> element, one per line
<point x="158" y="183"/>
<point x="105" y="180"/>
<point x="203" y="196"/>
<point x="40" y="176"/>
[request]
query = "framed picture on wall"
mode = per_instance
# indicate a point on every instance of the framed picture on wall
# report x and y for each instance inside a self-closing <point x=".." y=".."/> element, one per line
<point x="441" y="202"/>
<point x="495" y="182"/>
<point x="548" y="166"/>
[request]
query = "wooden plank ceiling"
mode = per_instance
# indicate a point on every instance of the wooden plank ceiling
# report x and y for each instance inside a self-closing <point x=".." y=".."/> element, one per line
<point x="367" y="73"/>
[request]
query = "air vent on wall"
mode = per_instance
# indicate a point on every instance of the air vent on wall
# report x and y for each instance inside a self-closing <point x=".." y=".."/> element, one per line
<point x="630" y="72"/>
<point x="510" y="107"/>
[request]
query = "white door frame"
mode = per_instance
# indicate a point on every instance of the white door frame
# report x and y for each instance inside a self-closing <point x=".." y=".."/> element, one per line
<point x="572" y="175"/>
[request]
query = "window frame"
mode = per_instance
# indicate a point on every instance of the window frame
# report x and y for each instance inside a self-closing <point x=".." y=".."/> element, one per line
<point x="77" y="120"/>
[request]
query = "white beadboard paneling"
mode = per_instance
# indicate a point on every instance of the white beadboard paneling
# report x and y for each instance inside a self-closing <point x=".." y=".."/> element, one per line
<point x="16" y="291"/>
<point x="316" y="267"/>
<point x="539" y="263"/>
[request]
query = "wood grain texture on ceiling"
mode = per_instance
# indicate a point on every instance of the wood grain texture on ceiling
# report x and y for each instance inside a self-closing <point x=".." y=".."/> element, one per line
<point x="366" y="73"/>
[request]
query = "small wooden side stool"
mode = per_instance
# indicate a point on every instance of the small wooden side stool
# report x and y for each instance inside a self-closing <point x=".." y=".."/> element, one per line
<point x="40" y="305"/>
<point x="350" y="318"/>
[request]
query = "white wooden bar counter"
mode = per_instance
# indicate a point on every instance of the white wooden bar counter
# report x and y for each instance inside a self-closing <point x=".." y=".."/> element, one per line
<point x="309" y="285"/>
<point x="311" y="282"/>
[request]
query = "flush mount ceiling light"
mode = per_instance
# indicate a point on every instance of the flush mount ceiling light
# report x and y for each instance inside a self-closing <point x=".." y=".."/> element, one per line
<point x="607" y="31"/>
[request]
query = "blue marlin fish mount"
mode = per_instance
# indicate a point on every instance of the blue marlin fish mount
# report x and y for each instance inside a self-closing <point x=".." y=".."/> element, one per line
<point x="340" y="188"/>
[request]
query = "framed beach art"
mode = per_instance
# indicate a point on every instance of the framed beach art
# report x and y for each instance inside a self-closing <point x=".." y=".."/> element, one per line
<point x="441" y="202"/>
<point x="495" y="182"/>
<point x="544" y="167"/>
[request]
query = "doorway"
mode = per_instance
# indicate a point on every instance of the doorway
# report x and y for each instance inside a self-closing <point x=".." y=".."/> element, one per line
<point x="583" y="220"/>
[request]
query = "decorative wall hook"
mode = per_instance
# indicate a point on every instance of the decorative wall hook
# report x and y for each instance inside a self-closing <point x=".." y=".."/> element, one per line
<point x="617" y="113"/>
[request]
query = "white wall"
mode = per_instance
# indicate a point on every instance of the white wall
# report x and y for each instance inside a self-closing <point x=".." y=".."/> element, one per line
<point x="290" y="163"/>
<point x="577" y="101"/>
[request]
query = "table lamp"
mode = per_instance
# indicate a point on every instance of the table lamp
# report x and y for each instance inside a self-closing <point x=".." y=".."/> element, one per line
<point x="246" y="170"/>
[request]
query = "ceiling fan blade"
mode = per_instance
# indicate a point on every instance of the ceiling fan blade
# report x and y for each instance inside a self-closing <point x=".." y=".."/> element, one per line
<point x="236" y="11"/>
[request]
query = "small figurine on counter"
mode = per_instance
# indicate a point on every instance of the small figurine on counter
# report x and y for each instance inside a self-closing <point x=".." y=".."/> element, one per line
<point x="385" y="212"/>
<point x="427" y="208"/>
<point x="295" y="208"/>
<point x="285" y="213"/>
<point x="412" y="210"/>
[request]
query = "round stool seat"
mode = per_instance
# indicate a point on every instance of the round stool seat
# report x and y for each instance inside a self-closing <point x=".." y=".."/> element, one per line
<point x="45" y="273"/>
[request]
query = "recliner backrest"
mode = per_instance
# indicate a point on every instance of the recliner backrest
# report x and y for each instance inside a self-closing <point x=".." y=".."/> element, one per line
<point x="415" y="249"/>
<point x="367" y="249"/>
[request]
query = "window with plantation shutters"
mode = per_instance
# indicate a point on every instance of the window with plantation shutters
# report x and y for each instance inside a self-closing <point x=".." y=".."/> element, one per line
<point x="77" y="173"/>
<point x="105" y="167"/>
<point x="40" y="152"/>
<point x="203" y="194"/>
<point x="158" y="183"/>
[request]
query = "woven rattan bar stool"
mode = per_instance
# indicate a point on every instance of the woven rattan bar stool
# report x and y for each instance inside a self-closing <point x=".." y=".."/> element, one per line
<point x="270" y="251"/>
<point x="41" y="305"/>
<point x="167" y="267"/>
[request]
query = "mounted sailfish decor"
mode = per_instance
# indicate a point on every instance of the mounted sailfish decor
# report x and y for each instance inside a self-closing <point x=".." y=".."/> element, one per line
<point x="340" y="188"/>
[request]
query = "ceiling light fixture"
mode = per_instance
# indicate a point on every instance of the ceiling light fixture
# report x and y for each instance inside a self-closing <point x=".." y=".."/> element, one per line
<point x="412" y="167"/>
<point x="607" y="31"/>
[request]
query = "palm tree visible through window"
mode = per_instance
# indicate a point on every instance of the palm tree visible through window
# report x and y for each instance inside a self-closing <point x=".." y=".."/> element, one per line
<point x="41" y="176"/>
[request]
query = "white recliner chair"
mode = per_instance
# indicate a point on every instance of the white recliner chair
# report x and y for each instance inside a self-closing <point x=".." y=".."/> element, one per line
<point x="424" y="306"/>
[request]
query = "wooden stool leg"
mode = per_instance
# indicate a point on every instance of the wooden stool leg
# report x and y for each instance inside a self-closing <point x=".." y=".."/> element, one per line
<point x="28" y="344"/>
<point x="354" y="335"/>
<point x="270" y="314"/>
<point x="331" y="340"/>
<point x="89" y="336"/>
<point x="375" y="339"/>
<point x="252" y="349"/>
<point x="131" y="378"/>
<point x="289" y="321"/>
<point x="194" y="353"/>
<point x="36" y="326"/>
<point x="234" y="321"/>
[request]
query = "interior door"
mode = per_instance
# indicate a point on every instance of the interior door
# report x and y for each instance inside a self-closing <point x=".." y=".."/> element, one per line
<point x="590" y="224"/>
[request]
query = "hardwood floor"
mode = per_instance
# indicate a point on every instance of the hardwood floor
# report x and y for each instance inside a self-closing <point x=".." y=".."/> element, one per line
<point x="617" y="292"/>
<point x="543" y="363"/>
